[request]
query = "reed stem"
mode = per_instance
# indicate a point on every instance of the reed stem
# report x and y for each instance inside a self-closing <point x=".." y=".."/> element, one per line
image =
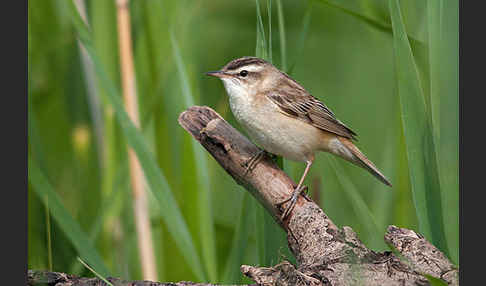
<point x="140" y="207"/>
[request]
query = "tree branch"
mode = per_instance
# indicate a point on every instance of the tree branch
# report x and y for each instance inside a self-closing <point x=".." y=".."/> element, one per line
<point x="325" y="254"/>
<point x="62" y="279"/>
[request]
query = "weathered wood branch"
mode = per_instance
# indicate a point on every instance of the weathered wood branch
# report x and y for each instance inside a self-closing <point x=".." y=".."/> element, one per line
<point x="325" y="253"/>
<point x="35" y="278"/>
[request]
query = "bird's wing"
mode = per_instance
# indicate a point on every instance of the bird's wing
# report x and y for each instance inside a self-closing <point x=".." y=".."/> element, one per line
<point x="299" y="104"/>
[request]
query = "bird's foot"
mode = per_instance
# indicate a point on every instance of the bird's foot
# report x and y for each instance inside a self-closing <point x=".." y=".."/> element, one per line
<point x="253" y="161"/>
<point x="293" y="200"/>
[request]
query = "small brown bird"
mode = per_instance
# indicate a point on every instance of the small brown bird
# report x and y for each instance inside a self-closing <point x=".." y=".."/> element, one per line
<point x="284" y="119"/>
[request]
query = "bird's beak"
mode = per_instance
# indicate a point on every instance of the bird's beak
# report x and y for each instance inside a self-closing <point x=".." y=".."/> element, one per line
<point x="219" y="74"/>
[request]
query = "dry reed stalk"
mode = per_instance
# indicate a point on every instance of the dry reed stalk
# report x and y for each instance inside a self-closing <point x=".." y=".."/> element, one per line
<point x="140" y="206"/>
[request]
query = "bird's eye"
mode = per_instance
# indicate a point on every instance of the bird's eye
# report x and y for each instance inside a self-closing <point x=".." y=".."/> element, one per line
<point x="243" y="73"/>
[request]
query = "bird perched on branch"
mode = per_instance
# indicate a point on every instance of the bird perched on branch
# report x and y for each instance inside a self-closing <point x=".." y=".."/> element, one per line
<point x="284" y="119"/>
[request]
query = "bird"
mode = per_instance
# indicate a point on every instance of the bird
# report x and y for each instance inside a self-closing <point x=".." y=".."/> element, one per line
<point x="284" y="119"/>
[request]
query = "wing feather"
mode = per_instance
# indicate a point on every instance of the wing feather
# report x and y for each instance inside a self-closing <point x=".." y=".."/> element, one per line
<point x="297" y="103"/>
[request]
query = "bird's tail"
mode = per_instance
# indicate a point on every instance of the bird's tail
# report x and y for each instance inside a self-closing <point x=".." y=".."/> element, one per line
<point x="361" y="160"/>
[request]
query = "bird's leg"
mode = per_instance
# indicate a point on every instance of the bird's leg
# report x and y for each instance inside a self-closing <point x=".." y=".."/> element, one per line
<point x="296" y="193"/>
<point x="253" y="161"/>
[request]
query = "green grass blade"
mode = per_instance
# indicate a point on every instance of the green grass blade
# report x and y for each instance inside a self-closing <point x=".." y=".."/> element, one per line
<point x="260" y="234"/>
<point x="206" y="224"/>
<point x="105" y="41"/>
<point x="94" y="272"/>
<point x="435" y="62"/>
<point x="70" y="227"/>
<point x="259" y="49"/>
<point x="240" y="239"/>
<point x="35" y="145"/>
<point x="35" y="148"/>
<point x="435" y="281"/>
<point x="156" y="180"/>
<point x="112" y="206"/>
<point x="262" y="50"/>
<point x="418" y="136"/>
<point x="183" y="78"/>
<point x="404" y="213"/>
<point x="444" y="108"/>
<point x="275" y="242"/>
<point x="376" y="23"/>
<point x="382" y="200"/>
<point x="433" y="15"/>
<point x="360" y="207"/>
<point x="449" y="123"/>
<point x="281" y="29"/>
<point x="269" y="14"/>
<point x="48" y="231"/>
<point x="302" y="37"/>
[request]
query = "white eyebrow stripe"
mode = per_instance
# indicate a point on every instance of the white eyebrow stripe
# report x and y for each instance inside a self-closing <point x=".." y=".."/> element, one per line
<point x="251" y="68"/>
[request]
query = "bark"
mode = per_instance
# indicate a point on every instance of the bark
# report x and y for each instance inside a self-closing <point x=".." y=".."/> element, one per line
<point x="325" y="253"/>
<point x="62" y="279"/>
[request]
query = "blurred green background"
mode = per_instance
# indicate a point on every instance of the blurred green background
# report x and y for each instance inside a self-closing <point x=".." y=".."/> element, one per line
<point x="386" y="68"/>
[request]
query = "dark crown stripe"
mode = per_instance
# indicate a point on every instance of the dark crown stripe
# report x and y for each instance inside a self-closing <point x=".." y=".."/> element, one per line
<point x="241" y="62"/>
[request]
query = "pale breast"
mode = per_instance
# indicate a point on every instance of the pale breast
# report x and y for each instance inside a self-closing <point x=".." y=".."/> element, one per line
<point x="274" y="131"/>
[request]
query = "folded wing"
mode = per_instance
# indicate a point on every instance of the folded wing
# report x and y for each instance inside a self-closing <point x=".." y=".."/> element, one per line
<point x="297" y="103"/>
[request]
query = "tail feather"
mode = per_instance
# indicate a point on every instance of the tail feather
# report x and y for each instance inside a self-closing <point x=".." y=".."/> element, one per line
<point x="364" y="162"/>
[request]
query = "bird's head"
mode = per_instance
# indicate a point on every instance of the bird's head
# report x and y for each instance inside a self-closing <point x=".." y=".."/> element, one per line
<point x="247" y="75"/>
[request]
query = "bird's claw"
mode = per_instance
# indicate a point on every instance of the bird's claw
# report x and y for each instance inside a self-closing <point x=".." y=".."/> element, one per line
<point x="293" y="200"/>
